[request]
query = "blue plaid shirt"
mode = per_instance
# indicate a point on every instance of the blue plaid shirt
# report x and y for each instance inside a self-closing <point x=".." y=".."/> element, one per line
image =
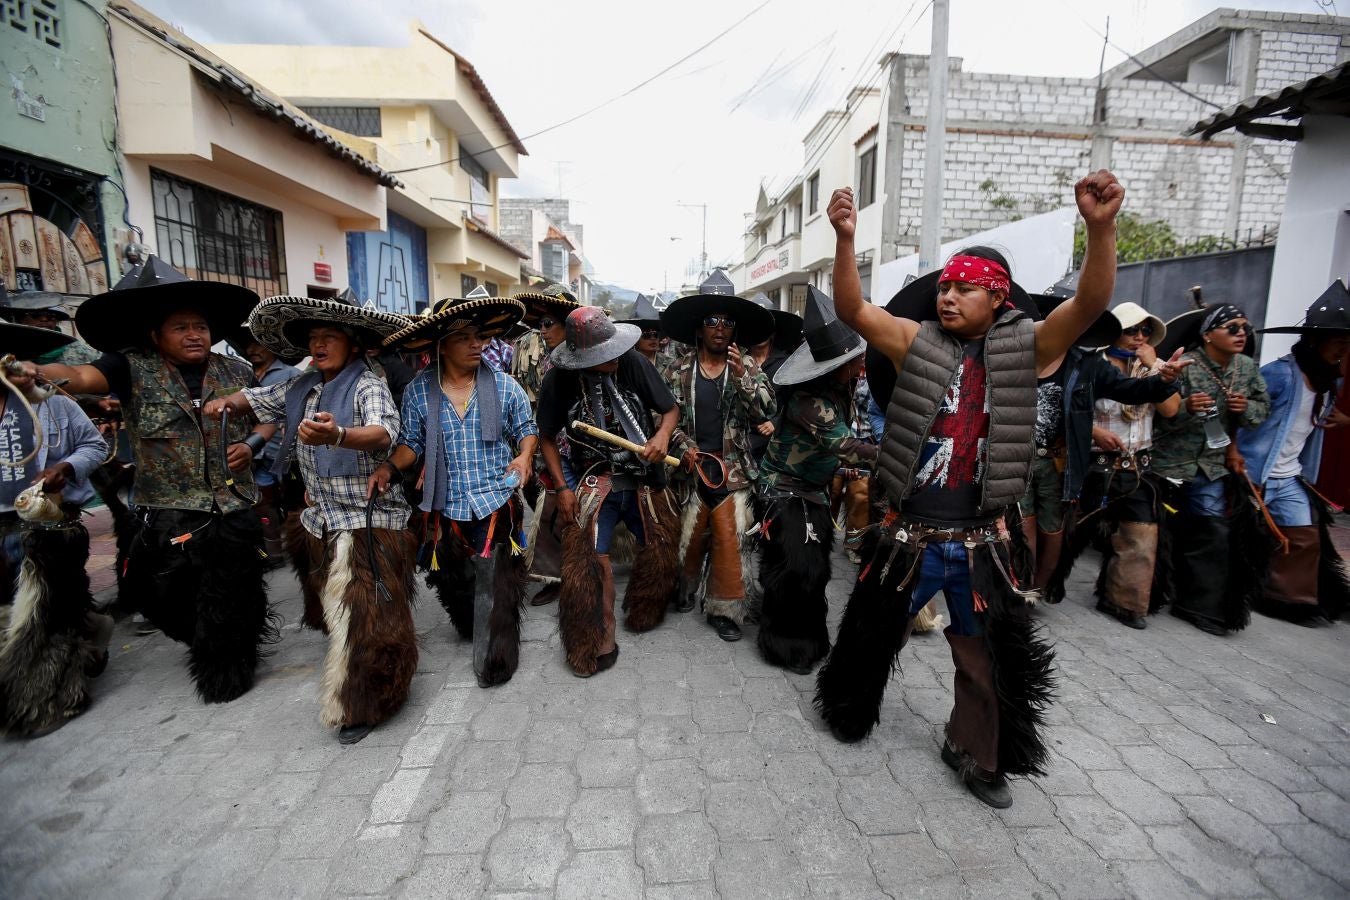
<point x="474" y="468"/>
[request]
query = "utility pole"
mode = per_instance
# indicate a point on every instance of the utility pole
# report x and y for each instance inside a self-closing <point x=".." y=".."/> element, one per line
<point x="930" y="231"/>
<point x="703" y="255"/>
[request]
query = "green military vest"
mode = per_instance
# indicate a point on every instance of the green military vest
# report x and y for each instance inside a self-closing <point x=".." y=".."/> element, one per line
<point x="179" y="464"/>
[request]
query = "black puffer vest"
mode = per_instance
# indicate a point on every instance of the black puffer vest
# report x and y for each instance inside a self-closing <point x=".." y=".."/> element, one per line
<point x="1010" y="358"/>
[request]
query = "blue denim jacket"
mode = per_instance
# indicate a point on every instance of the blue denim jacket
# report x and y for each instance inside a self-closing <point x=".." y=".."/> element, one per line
<point x="1261" y="445"/>
<point x="68" y="436"/>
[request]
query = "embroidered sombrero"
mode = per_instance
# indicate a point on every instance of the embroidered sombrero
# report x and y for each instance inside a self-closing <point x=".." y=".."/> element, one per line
<point x="552" y="300"/>
<point x="492" y="316"/>
<point x="282" y="323"/>
<point x="124" y="316"/>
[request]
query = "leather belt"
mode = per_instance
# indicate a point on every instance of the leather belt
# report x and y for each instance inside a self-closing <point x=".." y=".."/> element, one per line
<point x="1123" y="461"/>
<point x="917" y="534"/>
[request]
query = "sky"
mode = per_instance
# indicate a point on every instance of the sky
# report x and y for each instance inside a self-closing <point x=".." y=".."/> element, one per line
<point x="759" y="74"/>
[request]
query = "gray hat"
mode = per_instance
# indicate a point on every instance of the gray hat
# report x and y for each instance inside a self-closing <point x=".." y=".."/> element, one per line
<point x="593" y="340"/>
<point x="828" y="345"/>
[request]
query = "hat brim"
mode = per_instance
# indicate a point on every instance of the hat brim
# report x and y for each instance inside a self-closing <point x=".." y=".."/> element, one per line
<point x="1183" y="333"/>
<point x="917" y="301"/>
<point x="1328" y="330"/>
<point x="1101" y="333"/>
<point x="625" y="337"/>
<point x="282" y="323"/>
<point x="492" y="316"/>
<point x="117" y="320"/>
<point x="539" y="305"/>
<point x="802" y="367"/>
<point x="1158" y="325"/>
<point x="682" y="318"/>
<point x="787" y="329"/>
<point x="27" y="342"/>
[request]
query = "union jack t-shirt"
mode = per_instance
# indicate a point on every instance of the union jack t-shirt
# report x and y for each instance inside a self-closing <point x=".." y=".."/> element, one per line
<point x="950" y="473"/>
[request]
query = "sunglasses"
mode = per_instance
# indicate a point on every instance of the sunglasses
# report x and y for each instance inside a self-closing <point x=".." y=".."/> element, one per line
<point x="719" y="321"/>
<point x="546" y="323"/>
<point x="1234" y="328"/>
<point x="1146" y="330"/>
<point x="651" y="334"/>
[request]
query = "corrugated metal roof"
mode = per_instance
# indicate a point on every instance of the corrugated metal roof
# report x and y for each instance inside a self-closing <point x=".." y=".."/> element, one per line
<point x="1291" y="102"/>
<point x="265" y="103"/>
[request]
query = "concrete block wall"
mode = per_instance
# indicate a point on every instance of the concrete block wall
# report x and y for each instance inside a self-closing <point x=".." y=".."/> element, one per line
<point x="1036" y="172"/>
<point x="1289" y="57"/>
<point x="1264" y="187"/>
<point x="1157" y="106"/>
<point x="1183" y="184"/>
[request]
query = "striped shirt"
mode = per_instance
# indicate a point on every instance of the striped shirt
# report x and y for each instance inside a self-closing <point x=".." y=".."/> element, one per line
<point x="474" y="468"/>
<point x="340" y="503"/>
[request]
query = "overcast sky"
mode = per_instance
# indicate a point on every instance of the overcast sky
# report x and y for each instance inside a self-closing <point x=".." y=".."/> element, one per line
<point x="712" y="128"/>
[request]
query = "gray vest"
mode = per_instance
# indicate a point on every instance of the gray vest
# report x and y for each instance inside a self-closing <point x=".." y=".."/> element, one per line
<point x="1010" y="359"/>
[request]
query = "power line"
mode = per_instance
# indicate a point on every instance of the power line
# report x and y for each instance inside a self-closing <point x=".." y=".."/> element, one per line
<point x="767" y="78"/>
<point x="1139" y="62"/>
<point x="617" y="97"/>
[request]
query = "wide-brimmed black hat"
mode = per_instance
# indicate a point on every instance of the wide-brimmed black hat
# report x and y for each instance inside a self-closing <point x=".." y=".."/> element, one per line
<point x="592" y="339"/>
<point x="13" y="305"/>
<point x="1183" y="333"/>
<point x="787" y="326"/>
<point x="682" y="318"/>
<point x="27" y="342"/>
<point x="282" y="324"/>
<point x="917" y="301"/>
<point x="492" y="316"/>
<point x="828" y="343"/>
<point x="1329" y="314"/>
<point x="645" y="314"/>
<point x="123" y="317"/>
<point x="1101" y="333"/>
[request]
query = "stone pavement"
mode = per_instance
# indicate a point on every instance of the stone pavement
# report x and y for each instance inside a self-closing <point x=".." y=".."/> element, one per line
<point x="1184" y="766"/>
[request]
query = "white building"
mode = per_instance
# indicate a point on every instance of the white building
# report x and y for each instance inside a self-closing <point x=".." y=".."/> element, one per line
<point x="1314" y="245"/>
<point x="1015" y="145"/>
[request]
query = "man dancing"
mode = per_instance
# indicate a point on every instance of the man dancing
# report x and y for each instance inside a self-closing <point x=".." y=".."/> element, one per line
<point x="599" y="380"/>
<point x="462" y="417"/>
<point x="955" y="454"/>
<point x="721" y="392"/>
<point x="354" y="561"/>
<point x="195" y="563"/>
<point x="815" y="385"/>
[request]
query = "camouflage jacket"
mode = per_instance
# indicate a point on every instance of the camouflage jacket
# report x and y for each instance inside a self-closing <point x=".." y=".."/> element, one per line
<point x="529" y="363"/>
<point x="1179" y="442"/>
<point x="745" y="400"/>
<point x="77" y="353"/>
<point x="813" y="439"/>
<point x="178" y="460"/>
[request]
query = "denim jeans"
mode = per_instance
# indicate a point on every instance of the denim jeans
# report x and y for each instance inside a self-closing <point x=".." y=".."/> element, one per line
<point x="1205" y="497"/>
<point x="618" y="506"/>
<point x="945" y="568"/>
<point x="1287" y="501"/>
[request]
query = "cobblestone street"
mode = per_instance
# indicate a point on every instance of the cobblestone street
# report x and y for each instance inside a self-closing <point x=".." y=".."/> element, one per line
<point x="1185" y="765"/>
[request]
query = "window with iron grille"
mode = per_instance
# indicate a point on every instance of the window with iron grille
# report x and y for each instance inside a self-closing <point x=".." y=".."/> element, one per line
<point x="466" y="285"/>
<point x="813" y="194"/>
<point x="39" y="19"/>
<point x="362" y="121"/>
<point x="480" y="188"/>
<point x="553" y="261"/>
<point x="212" y="236"/>
<point x="491" y="288"/>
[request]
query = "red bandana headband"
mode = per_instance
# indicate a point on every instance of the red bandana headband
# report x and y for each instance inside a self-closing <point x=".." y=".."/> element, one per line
<point x="978" y="271"/>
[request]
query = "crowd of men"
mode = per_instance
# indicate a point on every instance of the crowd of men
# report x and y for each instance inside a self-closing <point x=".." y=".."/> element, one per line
<point x="965" y="438"/>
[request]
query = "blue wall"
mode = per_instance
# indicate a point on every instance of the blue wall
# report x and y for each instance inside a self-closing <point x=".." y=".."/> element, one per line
<point x="390" y="267"/>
